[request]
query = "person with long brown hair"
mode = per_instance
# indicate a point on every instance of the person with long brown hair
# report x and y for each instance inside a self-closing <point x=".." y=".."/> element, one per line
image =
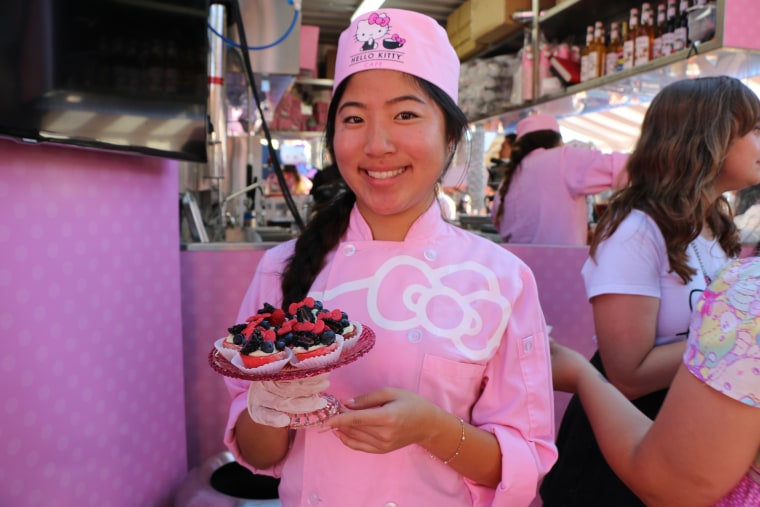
<point x="453" y="405"/>
<point x="657" y="247"/>
<point x="542" y="196"/>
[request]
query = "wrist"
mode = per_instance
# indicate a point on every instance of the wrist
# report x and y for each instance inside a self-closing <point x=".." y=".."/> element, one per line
<point x="447" y="443"/>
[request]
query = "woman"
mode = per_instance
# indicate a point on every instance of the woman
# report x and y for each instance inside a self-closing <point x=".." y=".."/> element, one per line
<point x="656" y="248"/>
<point x="704" y="447"/>
<point x="453" y="406"/>
<point x="542" y="198"/>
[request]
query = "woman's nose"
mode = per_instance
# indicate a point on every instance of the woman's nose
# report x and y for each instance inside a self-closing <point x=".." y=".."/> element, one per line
<point x="379" y="141"/>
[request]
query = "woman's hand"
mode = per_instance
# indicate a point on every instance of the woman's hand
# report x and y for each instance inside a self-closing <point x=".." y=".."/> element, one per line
<point x="384" y="420"/>
<point x="567" y="366"/>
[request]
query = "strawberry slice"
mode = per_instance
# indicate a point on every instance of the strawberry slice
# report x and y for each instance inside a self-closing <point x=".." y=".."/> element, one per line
<point x="278" y="317"/>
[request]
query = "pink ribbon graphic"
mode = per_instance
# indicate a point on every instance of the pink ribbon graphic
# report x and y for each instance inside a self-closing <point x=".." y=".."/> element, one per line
<point x="379" y="19"/>
<point x="398" y="39"/>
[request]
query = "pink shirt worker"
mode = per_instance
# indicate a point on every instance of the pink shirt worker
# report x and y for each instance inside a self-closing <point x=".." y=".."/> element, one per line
<point x="456" y="348"/>
<point x="545" y="201"/>
<point x="453" y="406"/>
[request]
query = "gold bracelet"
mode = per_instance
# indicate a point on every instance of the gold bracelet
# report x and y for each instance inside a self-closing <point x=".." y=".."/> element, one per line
<point x="459" y="445"/>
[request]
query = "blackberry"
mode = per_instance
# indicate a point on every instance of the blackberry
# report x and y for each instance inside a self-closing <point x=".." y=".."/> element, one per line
<point x="237" y="328"/>
<point x="268" y="308"/>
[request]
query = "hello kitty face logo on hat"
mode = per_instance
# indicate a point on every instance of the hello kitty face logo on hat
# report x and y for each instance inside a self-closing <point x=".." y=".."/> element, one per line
<point x="375" y="33"/>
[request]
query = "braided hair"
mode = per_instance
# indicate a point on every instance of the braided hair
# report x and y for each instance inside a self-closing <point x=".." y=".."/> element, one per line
<point x="521" y="148"/>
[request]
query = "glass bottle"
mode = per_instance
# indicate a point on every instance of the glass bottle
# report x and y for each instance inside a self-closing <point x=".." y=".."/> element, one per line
<point x="629" y="45"/>
<point x="681" y="33"/>
<point x="659" y="31"/>
<point x="614" y="48"/>
<point x="596" y="53"/>
<point x="585" y="53"/>
<point x="670" y="26"/>
<point x="644" y="37"/>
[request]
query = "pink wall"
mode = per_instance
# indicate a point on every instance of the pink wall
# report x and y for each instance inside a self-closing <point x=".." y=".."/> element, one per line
<point x="213" y="285"/>
<point x="214" y="282"/>
<point x="91" y="374"/>
<point x="740" y="25"/>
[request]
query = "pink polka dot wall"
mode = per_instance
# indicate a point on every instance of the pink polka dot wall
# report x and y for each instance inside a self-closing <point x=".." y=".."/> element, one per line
<point x="92" y="402"/>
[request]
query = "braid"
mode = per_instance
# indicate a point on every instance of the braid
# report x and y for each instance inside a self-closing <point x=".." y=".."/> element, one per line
<point x="323" y="232"/>
<point x="521" y="148"/>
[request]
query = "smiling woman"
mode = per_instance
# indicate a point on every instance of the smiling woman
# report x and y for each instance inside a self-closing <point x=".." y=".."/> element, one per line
<point x="451" y="310"/>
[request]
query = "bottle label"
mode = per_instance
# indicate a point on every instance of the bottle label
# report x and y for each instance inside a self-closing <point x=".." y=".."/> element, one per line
<point x="628" y="54"/>
<point x="584" y="68"/>
<point x="611" y="63"/>
<point x="641" y="55"/>
<point x="667" y="44"/>
<point x="657" y="48"/>
<point x="679" y="39"/>
<point x="592" y="65"/>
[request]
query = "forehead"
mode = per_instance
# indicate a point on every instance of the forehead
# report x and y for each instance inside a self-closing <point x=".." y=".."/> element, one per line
<point x="383" y="81"/>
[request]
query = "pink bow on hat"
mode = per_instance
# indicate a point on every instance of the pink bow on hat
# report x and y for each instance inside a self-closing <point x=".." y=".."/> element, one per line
<point x="379" y="19"/>
<point x="398" y="39"/>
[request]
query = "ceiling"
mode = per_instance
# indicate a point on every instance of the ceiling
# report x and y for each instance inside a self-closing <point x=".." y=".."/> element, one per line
<point x="334" y="16"/>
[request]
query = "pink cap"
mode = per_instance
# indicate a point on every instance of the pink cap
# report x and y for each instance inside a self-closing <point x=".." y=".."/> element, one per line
<point x="395" y="39"/>
<point x="536" y="122"/>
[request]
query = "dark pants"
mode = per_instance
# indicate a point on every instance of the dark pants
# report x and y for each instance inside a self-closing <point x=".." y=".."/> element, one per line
<point x="581" y="476"/>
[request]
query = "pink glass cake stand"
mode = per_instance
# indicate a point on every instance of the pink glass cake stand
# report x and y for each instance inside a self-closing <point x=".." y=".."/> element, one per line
<point x="300" y="420"/>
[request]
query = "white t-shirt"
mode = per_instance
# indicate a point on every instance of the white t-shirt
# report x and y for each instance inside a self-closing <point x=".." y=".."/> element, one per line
<point x="634" y="261"/>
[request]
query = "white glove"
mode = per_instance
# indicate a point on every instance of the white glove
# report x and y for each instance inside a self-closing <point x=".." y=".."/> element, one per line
<point x="271" y="402"/>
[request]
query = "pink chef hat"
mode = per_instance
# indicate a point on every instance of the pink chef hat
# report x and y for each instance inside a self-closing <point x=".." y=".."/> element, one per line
<point x="400" y="40"/>
<point x="536" y="122"/>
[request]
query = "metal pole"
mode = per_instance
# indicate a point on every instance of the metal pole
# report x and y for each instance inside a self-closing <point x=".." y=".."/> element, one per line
<point x="217" y="114"/>
<point x="536" y="49"/>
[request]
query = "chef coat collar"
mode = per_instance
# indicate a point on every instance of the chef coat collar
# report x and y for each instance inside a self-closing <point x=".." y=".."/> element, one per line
<point x="424" y="227"/>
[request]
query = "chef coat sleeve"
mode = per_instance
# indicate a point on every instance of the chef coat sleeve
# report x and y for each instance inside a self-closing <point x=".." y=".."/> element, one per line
<point x="588" y="172"/>
<point x="517" y="401"/>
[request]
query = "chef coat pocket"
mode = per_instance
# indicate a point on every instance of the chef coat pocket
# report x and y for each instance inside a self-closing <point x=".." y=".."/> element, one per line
<point x="452" y="385"/>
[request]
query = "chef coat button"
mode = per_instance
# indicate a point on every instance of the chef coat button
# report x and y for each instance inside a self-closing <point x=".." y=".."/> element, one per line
<point x="349" y="250"/>
<point x="391" y="504"/>
<point x="431" y="254"/>
<point x="313" y="499"/>
<point x="414" y="336"/>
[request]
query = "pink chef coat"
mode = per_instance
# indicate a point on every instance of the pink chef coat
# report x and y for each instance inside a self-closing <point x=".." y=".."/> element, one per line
<point x="546" y="201"/>
<point x="458" y="321"/>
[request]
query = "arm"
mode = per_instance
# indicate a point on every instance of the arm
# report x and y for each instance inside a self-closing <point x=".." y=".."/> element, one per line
<point x="388" y="419"/>
<point x="260" y="446"/>
<point x="699" y="447"/>
<point x="625" y="330"/>
<point x="589" y="172"/>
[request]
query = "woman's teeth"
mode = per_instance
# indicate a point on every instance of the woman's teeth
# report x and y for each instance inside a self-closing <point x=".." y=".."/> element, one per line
<point x="381" y="175"/>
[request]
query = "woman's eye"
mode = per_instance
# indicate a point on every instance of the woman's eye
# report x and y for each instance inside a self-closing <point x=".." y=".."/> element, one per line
<point x="352" y="119"/>
<point x="407" y="115"/>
